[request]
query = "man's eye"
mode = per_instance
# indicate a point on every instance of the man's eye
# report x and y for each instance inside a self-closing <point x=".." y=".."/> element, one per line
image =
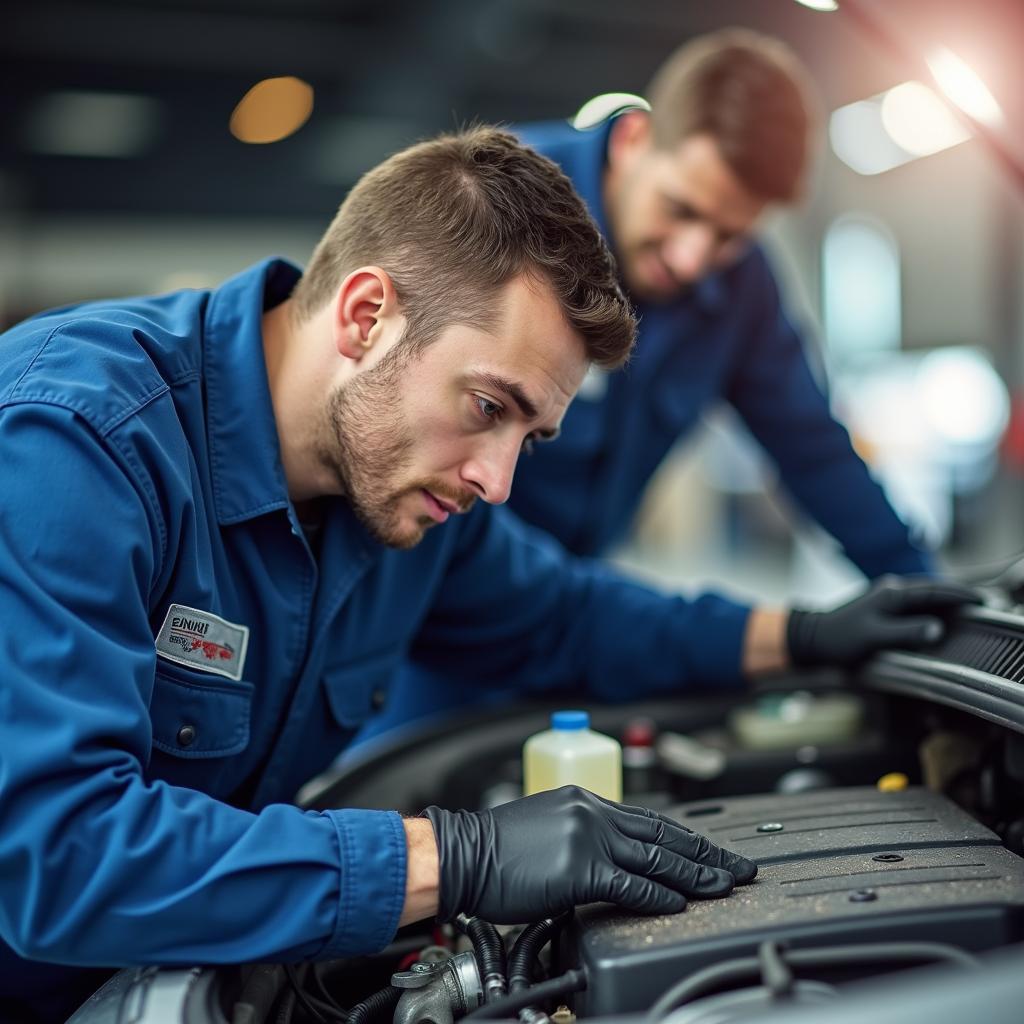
<point x="681" y="211"/>
<point x="488" y="409"/>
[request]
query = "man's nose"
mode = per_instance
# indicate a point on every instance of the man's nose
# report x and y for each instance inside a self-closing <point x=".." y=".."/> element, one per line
<point x="489" y="472"/>
<point x="689" y="250"/>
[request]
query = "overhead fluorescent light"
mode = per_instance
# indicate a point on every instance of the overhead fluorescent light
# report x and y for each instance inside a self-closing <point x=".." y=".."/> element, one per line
<point x="93" y="124"/>
<point x="918" y="120"/>
<point x="860" y="140"/>
<point x="964" y="87"/>
<point x="893" y="128"/>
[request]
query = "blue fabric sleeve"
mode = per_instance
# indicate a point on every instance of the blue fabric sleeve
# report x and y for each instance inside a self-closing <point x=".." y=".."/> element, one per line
<point x="516" y="609"/>
<point x="98" y="864"/>
<point x="775" y="392"/>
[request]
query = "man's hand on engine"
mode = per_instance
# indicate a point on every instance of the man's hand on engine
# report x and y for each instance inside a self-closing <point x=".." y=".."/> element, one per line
<point x="893" y="612"/>
<point x="535" y="857"/>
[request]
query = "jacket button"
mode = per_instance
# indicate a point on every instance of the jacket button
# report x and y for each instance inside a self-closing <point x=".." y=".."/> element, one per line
<point x="186" y="735"/>
<point x="378" y="698"/>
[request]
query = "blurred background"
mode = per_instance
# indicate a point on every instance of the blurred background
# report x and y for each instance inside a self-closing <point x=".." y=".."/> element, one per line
<point x="152" y="145"/>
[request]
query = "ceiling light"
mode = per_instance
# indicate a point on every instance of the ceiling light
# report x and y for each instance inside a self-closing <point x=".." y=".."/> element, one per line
<point x="893" y="128"/>
<point x="964" y="87"/>
<point x="272" y="110"/>
<point x="860" y="140"/>
<point x="98" y="124"/>
<point x="919" y="121"/>
<point x="819" y="5"/>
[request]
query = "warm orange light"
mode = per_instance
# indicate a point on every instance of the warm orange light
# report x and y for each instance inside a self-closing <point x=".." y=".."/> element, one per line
<point x="272" y="110"/>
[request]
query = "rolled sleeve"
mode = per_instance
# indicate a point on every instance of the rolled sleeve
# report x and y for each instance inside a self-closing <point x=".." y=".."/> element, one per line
<point x="713" y="633"/>
<point x="372" y="852"/>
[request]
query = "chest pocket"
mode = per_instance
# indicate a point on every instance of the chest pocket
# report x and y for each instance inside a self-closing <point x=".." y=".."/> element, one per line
<point x="357" y="689"/>
<point x="197" y="716"/>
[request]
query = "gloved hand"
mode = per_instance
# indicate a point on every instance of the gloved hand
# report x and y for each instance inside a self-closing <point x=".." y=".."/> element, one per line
<point x="543" y="854"/>
<point x="892" y="612"/>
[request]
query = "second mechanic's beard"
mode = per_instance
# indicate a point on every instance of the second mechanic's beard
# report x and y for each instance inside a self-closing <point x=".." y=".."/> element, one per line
<point x="659" y="293"/>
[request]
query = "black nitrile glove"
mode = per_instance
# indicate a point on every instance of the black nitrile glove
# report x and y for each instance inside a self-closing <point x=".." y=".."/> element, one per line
<point x="543" y="854"/>
<point x="892" y="612"/>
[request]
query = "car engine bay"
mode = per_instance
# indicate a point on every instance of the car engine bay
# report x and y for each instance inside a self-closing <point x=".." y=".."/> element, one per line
<point x="885" y="812"/>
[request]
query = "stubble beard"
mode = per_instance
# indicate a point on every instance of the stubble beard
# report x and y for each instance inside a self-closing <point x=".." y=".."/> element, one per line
<point x="369" y="447"/>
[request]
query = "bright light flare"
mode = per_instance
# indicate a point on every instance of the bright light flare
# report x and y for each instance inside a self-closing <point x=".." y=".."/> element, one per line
<point x="819" y="5"/>
<point x="964" y="87"/>
<point x="860" y="140"/>
<point x="963" y="398"/>
<point x="918" y="120"/>
<point x="884" y="131"/>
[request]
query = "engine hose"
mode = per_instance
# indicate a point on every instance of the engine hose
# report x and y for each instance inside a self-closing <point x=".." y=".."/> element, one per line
<point x="529" y="944"/>
<point x="515" y="1002"/>
<point x="489" y="948"/>
<point x="286" y="1008"/>
<point x="378" y="1007"/>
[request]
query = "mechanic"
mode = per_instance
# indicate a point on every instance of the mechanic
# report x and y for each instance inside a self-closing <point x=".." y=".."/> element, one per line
<point x="220" y="529"/>
<point x="679" y="193"/>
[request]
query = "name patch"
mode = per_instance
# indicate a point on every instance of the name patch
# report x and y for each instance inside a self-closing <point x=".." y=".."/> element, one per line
<point x="203" y="640"/>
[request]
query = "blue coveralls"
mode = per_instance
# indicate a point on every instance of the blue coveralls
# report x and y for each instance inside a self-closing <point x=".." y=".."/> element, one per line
<point x="728" y="339"/>
<point x="142" y="814"/>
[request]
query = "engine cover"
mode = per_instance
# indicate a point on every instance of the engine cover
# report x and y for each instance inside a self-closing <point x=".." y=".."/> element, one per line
<point x="835" y="867"/>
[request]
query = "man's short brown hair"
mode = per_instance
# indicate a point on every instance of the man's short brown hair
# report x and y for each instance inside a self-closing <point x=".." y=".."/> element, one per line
<point x="751" y="94"/>
<point x="452" y="220"/>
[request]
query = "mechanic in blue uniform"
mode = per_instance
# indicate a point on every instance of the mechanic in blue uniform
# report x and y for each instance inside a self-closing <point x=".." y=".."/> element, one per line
<point x="678" y="192"/>
<point x="221" y="529"/>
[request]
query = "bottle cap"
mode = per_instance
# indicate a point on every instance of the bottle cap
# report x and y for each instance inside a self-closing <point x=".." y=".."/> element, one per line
<point x="639" y="732"/>
<point x="570" y="720"/>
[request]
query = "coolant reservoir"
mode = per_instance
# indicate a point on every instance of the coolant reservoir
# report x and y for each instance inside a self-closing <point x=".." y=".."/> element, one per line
<point x="569" y="754"/>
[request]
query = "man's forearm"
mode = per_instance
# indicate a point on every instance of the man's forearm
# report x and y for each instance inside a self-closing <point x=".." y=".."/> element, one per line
<point x="764" y="641"/>
<point x="422" y="874"/>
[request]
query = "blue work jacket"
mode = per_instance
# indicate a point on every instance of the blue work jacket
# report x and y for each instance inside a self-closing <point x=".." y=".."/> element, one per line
<point x="144" y="778"/>
<point x="727" y="339"/>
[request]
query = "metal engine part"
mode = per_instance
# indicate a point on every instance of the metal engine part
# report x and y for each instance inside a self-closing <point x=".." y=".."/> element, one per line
<point x="841" y="865"/>
<point x="438" y="991"/>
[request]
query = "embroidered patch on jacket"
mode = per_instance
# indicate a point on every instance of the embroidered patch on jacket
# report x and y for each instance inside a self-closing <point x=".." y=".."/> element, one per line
<point x="203" y="640"/>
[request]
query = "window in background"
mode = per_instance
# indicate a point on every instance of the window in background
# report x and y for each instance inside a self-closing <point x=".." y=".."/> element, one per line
<point x="861" y="285"/>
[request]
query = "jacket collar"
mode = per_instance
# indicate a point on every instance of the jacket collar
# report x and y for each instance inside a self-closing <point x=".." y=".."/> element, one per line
<point x="245" y="454"/>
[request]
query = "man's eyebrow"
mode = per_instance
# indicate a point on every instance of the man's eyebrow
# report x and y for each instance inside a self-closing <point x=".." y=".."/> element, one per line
<point x="510" y="388"/>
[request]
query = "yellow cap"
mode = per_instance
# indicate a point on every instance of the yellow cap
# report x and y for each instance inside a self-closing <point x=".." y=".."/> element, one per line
<point x="894" y="782"/>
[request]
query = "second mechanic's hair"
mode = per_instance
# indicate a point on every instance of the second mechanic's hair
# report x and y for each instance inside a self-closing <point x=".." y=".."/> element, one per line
<point x="453" y="219"/>
<point x="751" y="94"/>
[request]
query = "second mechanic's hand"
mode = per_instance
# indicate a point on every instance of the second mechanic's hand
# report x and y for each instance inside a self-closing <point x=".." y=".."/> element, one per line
<point x="546" y="853"/>
<point x="893" y="612"/>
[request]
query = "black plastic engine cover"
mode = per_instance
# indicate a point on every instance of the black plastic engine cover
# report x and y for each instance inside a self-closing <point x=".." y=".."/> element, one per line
<point x="942" y="877"/>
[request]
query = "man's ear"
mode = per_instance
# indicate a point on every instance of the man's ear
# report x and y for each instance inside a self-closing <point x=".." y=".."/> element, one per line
<point x="365" y="300"/>
<point x="630" y="136"/>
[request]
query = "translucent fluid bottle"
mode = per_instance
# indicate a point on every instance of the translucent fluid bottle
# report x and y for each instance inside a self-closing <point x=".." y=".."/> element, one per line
<point x="569" y="754"/>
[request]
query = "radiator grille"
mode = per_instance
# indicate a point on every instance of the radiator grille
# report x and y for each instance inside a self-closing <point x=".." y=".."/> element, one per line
<point x="986" y="648"/>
